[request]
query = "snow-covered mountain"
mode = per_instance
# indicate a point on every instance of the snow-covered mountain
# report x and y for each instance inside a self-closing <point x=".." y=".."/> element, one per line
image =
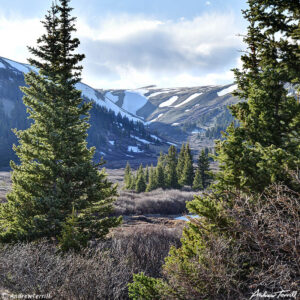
<point x="87" y="91"/>
<point x="175" y="112"/>
<point x="119" y="135"/>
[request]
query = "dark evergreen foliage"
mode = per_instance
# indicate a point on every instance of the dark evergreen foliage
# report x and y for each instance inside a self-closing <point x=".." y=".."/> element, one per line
<point x="56" y="174"/>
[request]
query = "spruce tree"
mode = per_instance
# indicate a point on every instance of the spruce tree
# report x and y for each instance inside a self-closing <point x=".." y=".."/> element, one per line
<point x="147" y="174"/>
<point x="264" y="147"/>
<point x="187" y="177"/>
<point x="160" y="176"/>
<point x="127" y="176"/>
<point x="171" y="174"/>
<point x="203" y="167"/>
<point x="132" y="182"/>
<point x="152" y="185"/>
<point x="56" y="172"/>
<point x="140" y="184"/>
<point x="198" y="182"/>
<point x="180" y="164"/>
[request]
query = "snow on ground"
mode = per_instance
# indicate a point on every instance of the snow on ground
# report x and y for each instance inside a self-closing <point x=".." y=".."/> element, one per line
<point x="2" y="65"/>
<point x="140" y="140"/>
<point x="172" y="144"/>
<point x="175" y="124"/>
<point x="227" y="90"/>
<point x="189" y="99"/>
<point x="155" y="137"/>
<point x="134" y="149"/>
<point x="134" y="100"/>
<point x="111" y="97"/>
<point x="87" y="91"/>
<point x="90" y="93"/>
<point x="20" y="67"/>
<point x="154" y="120"/>
<point x="169" y="102"/>
<point x="156" y="94"/>
<point x="112" y="142"/>
<point x="187" y="110"/>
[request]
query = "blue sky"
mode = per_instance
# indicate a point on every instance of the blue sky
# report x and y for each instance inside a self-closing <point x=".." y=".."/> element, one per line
<point x="133" y="43"/>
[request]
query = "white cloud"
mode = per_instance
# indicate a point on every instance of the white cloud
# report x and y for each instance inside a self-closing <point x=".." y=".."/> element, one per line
<point x="16" y="34"/>
<point x="132" y="51"/>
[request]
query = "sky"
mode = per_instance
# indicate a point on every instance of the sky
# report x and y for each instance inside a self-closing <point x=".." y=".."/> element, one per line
<point x="135" y="43"/>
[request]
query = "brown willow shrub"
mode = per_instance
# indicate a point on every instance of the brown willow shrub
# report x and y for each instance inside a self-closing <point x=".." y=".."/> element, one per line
<point x="101" y="271"/>
<point x="164" y="202"/>
<point x="236" y="248"/>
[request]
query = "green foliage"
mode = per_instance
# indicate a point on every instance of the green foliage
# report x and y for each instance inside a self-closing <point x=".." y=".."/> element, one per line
<point x="140" y="184"/>
<point x="147" y="174"/>
<point x="160" y="175"/>
<point x="187" y="177"/>
<point x="197" y="183"/>
<point x="144" y="287"/>
<point x="152" y="185"/>
<point x="269" y="124"/>
<point x="56" y="172"/>
<point x="203" y="167"/>
<point x="171" y="164"/>
<point x="71" y="237"/>
<point x="180" y="163"/>
<point x="127" y="176"/>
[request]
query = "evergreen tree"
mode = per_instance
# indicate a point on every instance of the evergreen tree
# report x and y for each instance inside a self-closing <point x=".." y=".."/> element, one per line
<point x="127" y="176"/>
<point x="147" y="174"/>
<point x="71" y="237"/>
<point x="180" y="164"/>
<point x="171" y="173"/>
<point x="132" y="182"/>
<point x="203" y="167"/>
<point x="188" y="170"/>
<point x="265" y="145"/>
<point x="140" y="184"/>
<point x="152" y="185"/>
<point x="198" y="182"/>
<point x="56" y="171"/>
<point x="160" y="176"/>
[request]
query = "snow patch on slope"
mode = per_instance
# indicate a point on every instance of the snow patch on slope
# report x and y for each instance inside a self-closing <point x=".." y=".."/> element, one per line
<point x="169" y="102"/>
<point x="111" y="97"/>
<point x="156" y="94"/>
<point x="154" y="120"/>
<point x="227" y="90"/>
<point x="90" y="93"/>
<point x="140" y="140"/>
<point x="134" y="149"/>
<point x="134" y="100"/>
<point x="189" y="99"/>
<point x="20" y="67"/>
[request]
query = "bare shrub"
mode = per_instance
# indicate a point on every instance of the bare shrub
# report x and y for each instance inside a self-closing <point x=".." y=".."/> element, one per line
<point x="258" y="249"/>
<point x="165" y="202"/>
<point x="101" y="271"/>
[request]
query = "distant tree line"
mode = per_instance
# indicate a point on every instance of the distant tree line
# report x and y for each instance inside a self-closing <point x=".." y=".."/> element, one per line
<point x="171" y="172"/>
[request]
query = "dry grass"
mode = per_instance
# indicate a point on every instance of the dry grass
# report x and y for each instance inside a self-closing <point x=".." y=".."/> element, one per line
<point x="163" y="202"/>
<point x="101" y="271"/>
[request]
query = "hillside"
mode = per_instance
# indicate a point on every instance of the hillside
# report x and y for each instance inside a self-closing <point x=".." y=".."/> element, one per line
<point x="117" y="134"/>
<point x="178" y="113"/>
<point x="132" y="125"/>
